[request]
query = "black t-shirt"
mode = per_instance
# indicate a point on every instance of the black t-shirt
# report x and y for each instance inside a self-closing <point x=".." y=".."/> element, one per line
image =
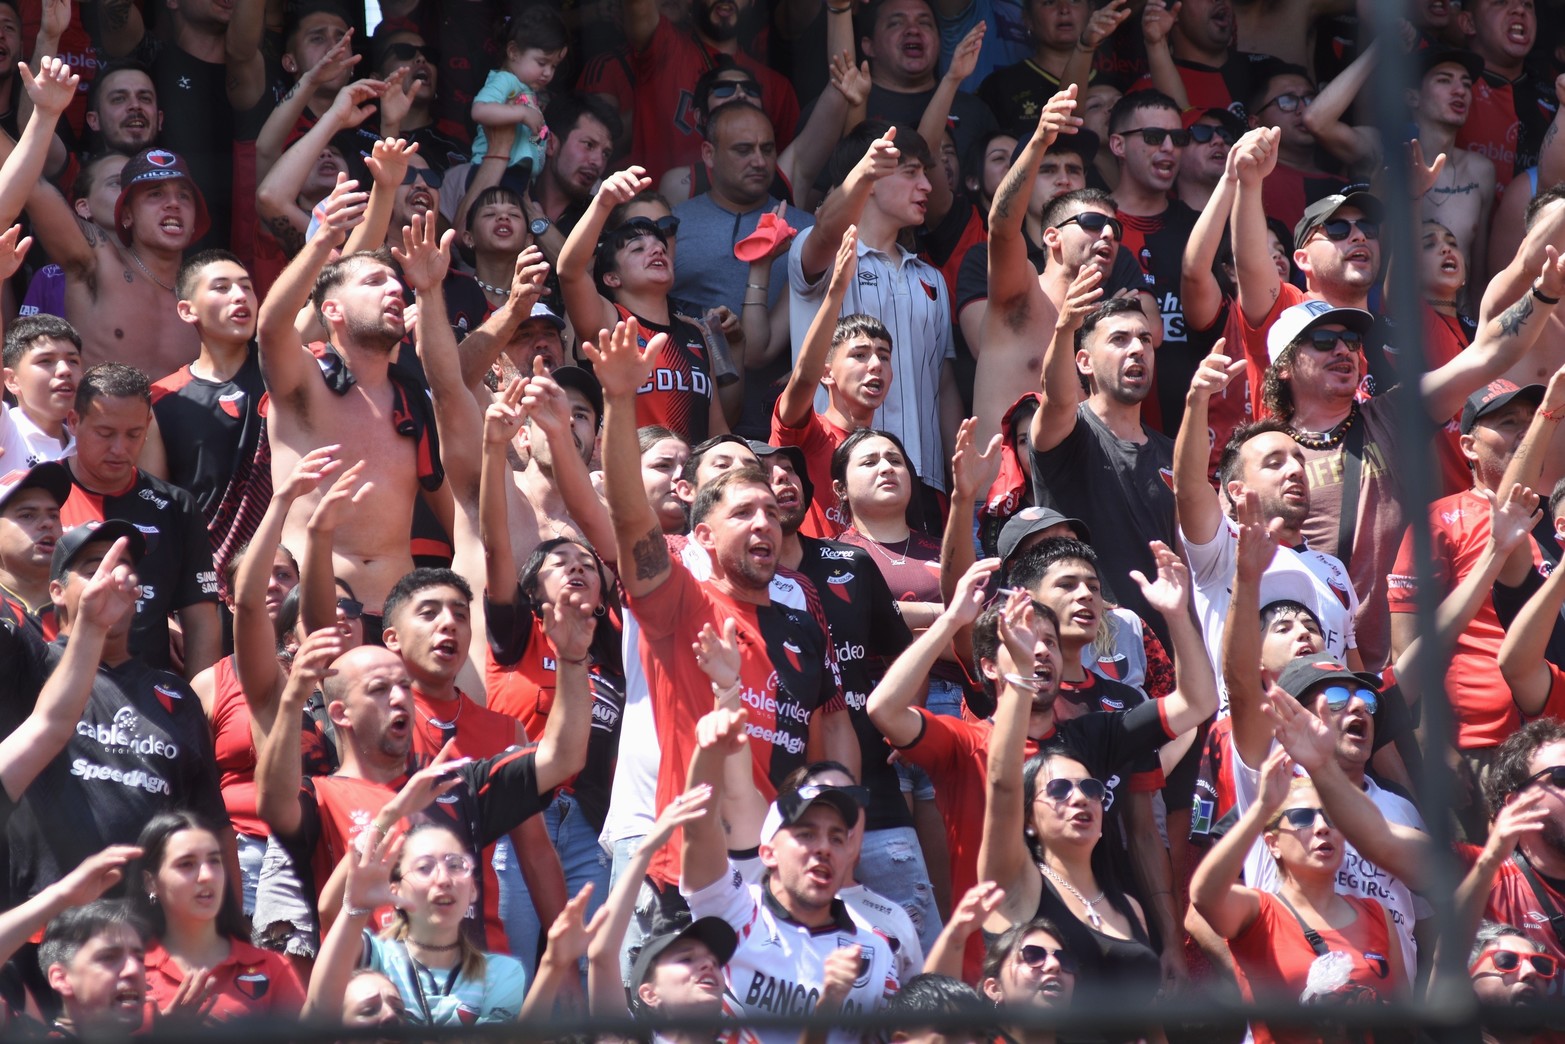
<point x="868" y="631"/>
<point x="1114" y="745"/>
<point x="211" y="431"/>
<point x="1158" y="244"/>
<point x="142" y="747"/>
<point x="1017" y="93"/>
<point x="23" y="663"/>
<point x="198" y="124"/>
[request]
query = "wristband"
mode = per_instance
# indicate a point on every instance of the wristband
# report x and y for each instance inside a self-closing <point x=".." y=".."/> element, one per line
<point x="1545" y="298"/>
<point x="1552" y="415"/>
<point x="719" y="694"/>
<point x="574" y="663"/>
<point x="353" y="911"/>
<point x="844" y="9"/>
<point x="1023" y="682"/>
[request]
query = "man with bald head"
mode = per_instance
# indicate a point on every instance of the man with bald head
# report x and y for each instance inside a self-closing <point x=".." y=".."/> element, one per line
<point x="370" y="705"/>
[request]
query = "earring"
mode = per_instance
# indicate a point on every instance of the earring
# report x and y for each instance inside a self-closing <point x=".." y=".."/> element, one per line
<point x="601" y="610"/>
<point x="152" y="897"/>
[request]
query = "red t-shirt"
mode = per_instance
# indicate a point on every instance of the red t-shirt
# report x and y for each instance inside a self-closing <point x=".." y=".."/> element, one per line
<point x="1234" y="406"/>
<point x="1459" y="530"/>
<point x="1511" y="901"/>
<point x="249" y="982"/>
<point x="1272" y="956"/>
<point x="1252" y="339"/>
<point x="1493" y="129"/>
<point x="1444" y="340"/>
<point x="787" y="673"/>
<point x="236" y="754"/>
<point x="819" y="439"/>
<point x="524" y="690"/>
<point x="1287" y="192"/>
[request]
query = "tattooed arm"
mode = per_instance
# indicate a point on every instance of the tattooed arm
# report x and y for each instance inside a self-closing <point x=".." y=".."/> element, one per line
<point x="1011" y="275"/>
<point x="120" y="28"/>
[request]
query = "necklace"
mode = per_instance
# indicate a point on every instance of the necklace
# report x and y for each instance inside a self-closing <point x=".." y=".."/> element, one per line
<point x="1326" y="440"/>
<point x="902" y="560"/>
<point x="498" y="291"/>
<point x="1092" y="915"/>
<point x="431" y="947"/>
<point x="145" y="270"/>
<point x="447" y="733"/>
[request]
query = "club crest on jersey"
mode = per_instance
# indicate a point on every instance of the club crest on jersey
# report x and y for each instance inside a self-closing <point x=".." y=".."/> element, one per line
<point x="253" y="984"/>
<point x="167" y="696"/>
<point x="468" y="1016"/>
<point x="929" y="289"/>
<point x="866" y="958"/>
<point x="230" y="403"/>
<point x="1167" y="475"/>
<point x="793" y="652"/>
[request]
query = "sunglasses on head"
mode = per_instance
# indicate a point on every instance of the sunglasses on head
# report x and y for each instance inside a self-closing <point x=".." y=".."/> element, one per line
<point x="1035" y="956"/>
<point x="662" y="227"/>
<point x="1507" y="961"/>
<point x="811" y="791"/>
<point x="350" y="608"/>
<point x="1289" y="102"/>
<point x="428" y="175"/>
<point x="728" y="88"/>
<point x="1094" y="222"/>
<point x="1301" y="818"/>
<point x="1326" y="340"/>
<point x="1155" y="136"/>
<point x="1554" y="774"/>
<point x="1339" y="229"/>
<point x="1339" y="696"/>
<point x="1060" y="789"/>
<point x="406" y="52"/>
<point x="1202" y="133"/>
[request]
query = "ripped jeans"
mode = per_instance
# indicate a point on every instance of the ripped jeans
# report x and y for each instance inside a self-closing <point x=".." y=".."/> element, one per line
<point x="892" y="863"/>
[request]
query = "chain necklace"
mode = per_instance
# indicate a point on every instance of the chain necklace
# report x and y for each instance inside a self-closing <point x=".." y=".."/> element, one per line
<point x="1093" y="918"/>
<point x="447" y="728"/>
<point x="876" y="546"/>
<point x="145" y="270"/>
<point x="1327" y="440"/>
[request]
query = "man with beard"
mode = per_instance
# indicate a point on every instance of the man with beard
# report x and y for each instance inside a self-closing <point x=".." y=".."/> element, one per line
<point x="1511" y="104"/>
<point x="357" y="402"/>
<point x="1215" y="74"/>
<point x="582" y="132"/>
<point x="1510" y="970"/>
<point x="667" y="59"/>
<point x="404" y="48"/>
<point x="122" y="106"/>
<point x="1260" y="458"/>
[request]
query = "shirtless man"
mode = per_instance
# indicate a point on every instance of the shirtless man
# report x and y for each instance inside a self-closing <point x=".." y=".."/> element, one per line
<point x="358" y="300"/>
<point x="121" y="295"/>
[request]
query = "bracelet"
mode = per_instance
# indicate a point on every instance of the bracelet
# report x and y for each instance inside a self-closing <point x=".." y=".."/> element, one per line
<point x="722" y="694"/>
<point x="1545" y="298"/>
<point x="757" y="286"/>
<point x="353" y="911"/>
<point x="1024" y="682"/>
<point x="844" y="9"/>
<point x="574" y="663"/>
<point x="758" y="304"/>
<point x="1552" y="415"/>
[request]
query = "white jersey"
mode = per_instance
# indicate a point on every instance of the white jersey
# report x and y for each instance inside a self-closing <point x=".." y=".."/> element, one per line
<point x="1358" y="876"/>
<point x="780" y="964"/>
<point x="1312" y="578"/>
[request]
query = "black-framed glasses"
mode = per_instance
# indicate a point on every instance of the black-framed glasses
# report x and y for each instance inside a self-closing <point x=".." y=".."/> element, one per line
<point x="1339" y="696"/>
<point x="1035" y="956"/>
<point x="1326" y="341"/>
<point x="406" y="52"/>
<point x="728" y="88"/>
<point x="1507" y="961"/>
<point x="1155" y="136"/>
<point x="1301" y="818"/>
<point x="1060" y="789"/>
<point x="1339" y="229"/>
<point x="351" y="608"/>
<point x="428" y="175"/>
<point x="1290" y="101"/>
<point x="811" y="791"/>
<point x="1094" y="222"/>
<point x="1202" y="133"/>
<point x="1555" y="774"/>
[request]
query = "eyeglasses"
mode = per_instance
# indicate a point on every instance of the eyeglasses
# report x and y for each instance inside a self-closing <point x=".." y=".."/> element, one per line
<point x="1154" y="136"/>
<point x="1095" y="222"/>
<point x="728" y="88"/>
<point x="457" y="867"/>
<point x="1507" y="961"/>
<point x="1060" y="789"/>
<point x="1289" y="102"/>
<point x="406" y="52"/>
<point x="1037" y="956"/>
<point x="1339" y="696"/>
<point x="1326" y="340"/>
<point x="1555" y="774"/>
<point x="1301" y="818"/>
<point x="1339" y="229"/>
<point x="1202" y="133"/>
<point x="811" y="791"/>
<point x="428" y="175"/>
<point x="351" y="608"/>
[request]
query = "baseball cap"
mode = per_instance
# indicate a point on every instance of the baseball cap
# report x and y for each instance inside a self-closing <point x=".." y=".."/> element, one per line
<point x="72" y="541"/>
<point x="795" y="455"/>
<point x="1299" y="320"/>
<point x="1233" y="124"/>
<point x="51" y="476"/>
<point x="1030" y="520"/>
<point x="715" y="932"/>
<point x="1304" y="673"/>
<point x="1433" y="56"/>
<point x="146" y="167"/>
<point x="1322" y="211"/>
<point x="1496" y="395"/>
<point x="543" y="311"/>
<point x="791" y="805"/>
<point x="582" y="381"/>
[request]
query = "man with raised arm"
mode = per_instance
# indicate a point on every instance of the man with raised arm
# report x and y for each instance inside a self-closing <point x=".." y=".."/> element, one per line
<point x="358" y="402"/>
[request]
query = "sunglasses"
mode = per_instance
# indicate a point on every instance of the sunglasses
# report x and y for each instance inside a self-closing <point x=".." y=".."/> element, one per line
<point x="1554" y="774"/>
<point x="428" y="175"/>
<point x="1155" y="136"/>
<point x="351" y="608"/>
<point x="1326" y="340"/>
<point x="1301" y="818"/>
<point x="1507" y="961"/>
<point x="811" y="791"/>
<point x="1060" y="789"/>
<point x="1339" y="696"/>
<point x="1289" y="102"/>
<point x="406" y="52"/>
<point x="457" y="867"/>
<point x="1202" y="133"/>
<point x="663" y="227"/>
<point x="1037" y="956"/>
<point x="1094" y="222"/>
<point x="1339" y="229"/>
<point x="729" y="88"/>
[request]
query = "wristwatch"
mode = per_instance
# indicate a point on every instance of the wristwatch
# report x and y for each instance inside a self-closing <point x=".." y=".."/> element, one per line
<point x="538" y="226"/>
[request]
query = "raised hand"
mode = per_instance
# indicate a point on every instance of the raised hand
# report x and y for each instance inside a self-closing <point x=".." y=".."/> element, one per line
<point x="1511" y="520"/>
<point x="845" y="263"/>
<point x="309" y="471"/>
<point x="1103" y="22"/>
<point x="424" y="259"/>
<point x="1257" y="538"/>
<point x="312" y="661"/>
<point x="192" y="1001"/>
<point x="1255" y="154"/>
<point x="883" y="157"/>
<point x="388" y="161"/>
<point x="342" y="209"/>
<point x="96" y="874"/>
<point x="1215" y="372"/>
<point x="686" y="808"/>
<point x="717" y="654"/>
<point x="1170" y="592"/>
<point x="621" y="186"/>
<point x="504" y="416"/>
<point x="851" y="80"/>
<point x="973" y="472"/>
<point x="545" y="402"/>
<point x="335" y="63"/>
<point x="980" y="901"/>
<point x="1551" y="281"/>
<point x="112" y="591"/>
<point x="727" y="322"/>
<point x="1554" y="394"/>
<point x="1523" y="813"/>
<point x="434" y="780"/>
<point x="527" y="279"/>
<point x="13" y="250"/>
<point x="569" y="623"/>
<point x="723" y="731"/>
<point x="1157" y="20"/>
<point x="1276" y="780"/>
<point x="371" y="860"/>
<point x="54" y="19"/>
<point x="1058" y="117"/>
<point x="1019" y="630"/>
<point x="1081" y="297"/>
<point x="571" y="934"/>
<point x="397" y="101"/>
<point x="355" y="103"/>
<point x="841" y="968"/>
<point x="621" y="364"/>
<point x="1422" y="176"/>
<point x="970" y="596"/>
<point x="347" y="489"/>
<point x="965" y="58"/>
<point x="1307" y="739"/>
<point x="52" y="89"/>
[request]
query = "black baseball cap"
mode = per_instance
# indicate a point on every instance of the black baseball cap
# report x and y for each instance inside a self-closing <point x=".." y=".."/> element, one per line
<point x="74" y="540"/>
<point x="1496" y="395"/>
<point x="1030" y="520"/>
<point x="1322" y="211"/>
<point x="1304" y="673"/>
<point x="795" y="455"/>
<point x="1433" y="56"/>
<point x="50" y="476"/>
<point x="714" y="932"/>
<point x="584" y="382"/>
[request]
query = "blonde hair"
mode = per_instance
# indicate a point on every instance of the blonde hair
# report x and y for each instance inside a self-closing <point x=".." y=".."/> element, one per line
<point x="473" y="963"/>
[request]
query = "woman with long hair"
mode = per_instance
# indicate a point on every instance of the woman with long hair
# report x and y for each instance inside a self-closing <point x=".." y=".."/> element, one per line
<point x="180" y="889"/>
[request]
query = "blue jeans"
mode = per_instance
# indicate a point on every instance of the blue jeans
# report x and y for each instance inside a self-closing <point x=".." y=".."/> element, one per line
<point x="582" y="859"/>
<point x="892" y="863"/>
<point x="252" y="850"/>
<point x="945" y="698"/>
